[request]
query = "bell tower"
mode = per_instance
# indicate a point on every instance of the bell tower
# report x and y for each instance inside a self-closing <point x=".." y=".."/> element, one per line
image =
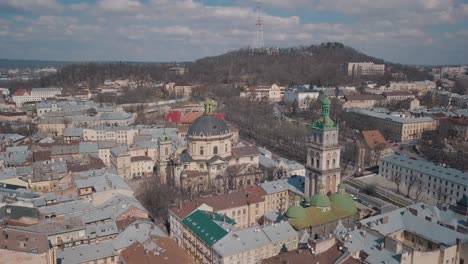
<point x="323" y="154"/>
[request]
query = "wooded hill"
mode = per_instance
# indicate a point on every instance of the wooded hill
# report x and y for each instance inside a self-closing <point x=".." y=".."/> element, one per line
<point x="324" y="64"/>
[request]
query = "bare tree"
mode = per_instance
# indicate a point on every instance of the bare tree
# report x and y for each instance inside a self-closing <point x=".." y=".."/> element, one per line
<point x="409" y="186"/>
<point x="419" y="184"/>
<point x="397" y="180"/>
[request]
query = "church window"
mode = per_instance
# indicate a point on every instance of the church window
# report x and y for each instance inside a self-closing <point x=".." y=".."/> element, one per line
<point x="320" y="138"/>
<point x="328" y="164"/>
<point x="334" y="163"/>
<point x="317" y="163"/>
<point x="215" y="150"/>
<point x="225" y="148"/>
<point x="201" y="150"/>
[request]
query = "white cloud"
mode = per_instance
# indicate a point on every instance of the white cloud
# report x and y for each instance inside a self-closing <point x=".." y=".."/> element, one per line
<point x="188" y="29"/>
<point x="31" y="5"/>
<point x="79" y="6"/>
<point x="119" y="5"/>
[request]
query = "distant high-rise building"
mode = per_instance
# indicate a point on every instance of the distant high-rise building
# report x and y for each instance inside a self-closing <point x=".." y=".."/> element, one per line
<point x="357" y="69"/>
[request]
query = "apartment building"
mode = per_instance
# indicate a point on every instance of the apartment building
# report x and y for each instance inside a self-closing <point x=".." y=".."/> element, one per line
<point x="273" y="93"/>
<point x="120" y="135"/>
<point x="358" y="69"/>
<point x="397" y="96"/>
<point x="300" y="95"/>
<point x="212" y="238"/>
<point x="420" y="86"/>
<point x="393" y="127"/>
<point x="446" y="185"/>
<point x="22" y="96"/>
<point x="363" y="100"/>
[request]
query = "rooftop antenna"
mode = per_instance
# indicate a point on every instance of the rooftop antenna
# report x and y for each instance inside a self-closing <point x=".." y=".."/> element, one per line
<point x="259" y="44"/>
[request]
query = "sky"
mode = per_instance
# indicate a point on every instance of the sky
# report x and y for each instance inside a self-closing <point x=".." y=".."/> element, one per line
<point x="403" y="31"/>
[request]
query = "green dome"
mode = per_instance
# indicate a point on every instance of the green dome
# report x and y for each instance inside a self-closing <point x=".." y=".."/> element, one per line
<point x="164" y="137"/>
<point x="343" y="201"/>
<point x="295" y="212"/>
<point x="297" y="198"/>
<point x="320" y="200"/>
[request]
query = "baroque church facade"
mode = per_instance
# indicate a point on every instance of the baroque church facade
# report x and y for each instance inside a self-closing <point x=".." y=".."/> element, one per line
<point x="211" y="160"/>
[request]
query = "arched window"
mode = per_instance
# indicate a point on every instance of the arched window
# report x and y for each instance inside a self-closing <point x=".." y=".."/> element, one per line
<point x="201" y="150"/>
<point x="317" y="160"/>
<point x="327" y="184"/>
<point x="225" y="148"/>
<point x="334" y="163"/>
<point x="215" y="150"/>
<point x="328" y="164"/>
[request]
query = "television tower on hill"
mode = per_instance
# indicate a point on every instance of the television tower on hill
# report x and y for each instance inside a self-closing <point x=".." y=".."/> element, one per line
<point x="259" y="44"/>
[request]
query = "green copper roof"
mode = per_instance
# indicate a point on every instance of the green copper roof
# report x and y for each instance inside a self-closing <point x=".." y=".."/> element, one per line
<point x="295" y="211"/>
<point x="297" y="197"/>
<point x="203" y="224"/>
<point x="343" y="202"/>
<point x="325" y="122"/>
<point x="319" y="200"/>
<point x="164" y="137"/>
<point x="315" y="216"/>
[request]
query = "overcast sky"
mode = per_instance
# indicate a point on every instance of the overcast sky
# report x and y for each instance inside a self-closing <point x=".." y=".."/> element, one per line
<point x="405" y="31"/>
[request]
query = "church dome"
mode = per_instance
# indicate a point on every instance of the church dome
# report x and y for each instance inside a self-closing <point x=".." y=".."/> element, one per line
<point x="208" y="125"/>
<point x="295" y="211"/>
<point x="343" y="201"/>
<point x="320" y="200"/>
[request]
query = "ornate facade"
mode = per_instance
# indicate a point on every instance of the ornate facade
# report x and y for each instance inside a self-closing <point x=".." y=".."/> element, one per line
<point x="211" y="162"/>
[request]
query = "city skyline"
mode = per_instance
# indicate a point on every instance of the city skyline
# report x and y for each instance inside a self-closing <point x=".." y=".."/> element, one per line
<point x="422" y="32"/>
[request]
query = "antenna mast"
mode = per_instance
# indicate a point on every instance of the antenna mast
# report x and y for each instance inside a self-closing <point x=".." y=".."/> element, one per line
<point x="259" y="44"/>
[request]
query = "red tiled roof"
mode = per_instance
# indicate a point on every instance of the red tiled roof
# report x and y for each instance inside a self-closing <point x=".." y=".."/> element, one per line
<point x="252" y="194"/>
<point x="22" y="92"/>
<point x="156" y="249"/>
<point x="373" y="138"/>
<point x="462" y="121"/>
<point x="173" y="116"/>
<point x="190" y="117"/>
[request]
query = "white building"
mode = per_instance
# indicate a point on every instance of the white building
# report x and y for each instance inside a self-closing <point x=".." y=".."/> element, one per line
<point x="302" y="96"/>
<point x="35" y="95"/>
<point x="443" y="184"/>
<point x="272" y="93"/>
